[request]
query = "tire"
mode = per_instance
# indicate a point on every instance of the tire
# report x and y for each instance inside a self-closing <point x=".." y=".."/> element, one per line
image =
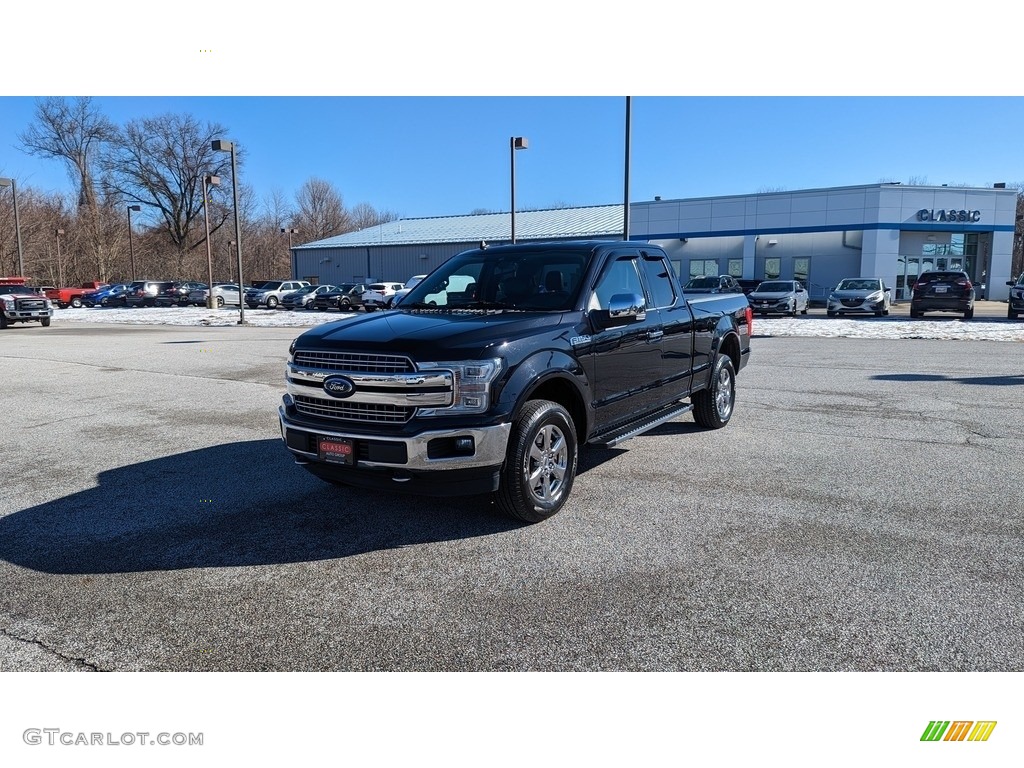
<point x="969" y="314"/>
<point x="540" y="465"/>
<point x="45" y="322"/>
<point x="713" y="407"/>
<point x="915" y="313"/>
<point x="830" y="313"/>
<point x="879" y="313"/>
<point x="368" y="307"/>
<point x="1010" y="314"/>
<point x="3" y="321"/>
<point x="76" y="303"/>
<point x="220" y="301"/>
<point x="805" y="310"/>
<point x="344" y="305"/>
<point x="272" y="302"/>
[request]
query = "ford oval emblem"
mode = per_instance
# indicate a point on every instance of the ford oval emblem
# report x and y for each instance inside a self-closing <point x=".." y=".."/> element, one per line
<point x="339" y="386"/>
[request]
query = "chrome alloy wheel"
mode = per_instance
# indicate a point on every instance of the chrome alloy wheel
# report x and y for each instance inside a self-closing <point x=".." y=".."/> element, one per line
<point x="546" y="463"/>
<point x="724" y="394"/>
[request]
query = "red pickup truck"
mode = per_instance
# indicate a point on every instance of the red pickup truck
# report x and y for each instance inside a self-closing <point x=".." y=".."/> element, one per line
<point x="72" y="297"/>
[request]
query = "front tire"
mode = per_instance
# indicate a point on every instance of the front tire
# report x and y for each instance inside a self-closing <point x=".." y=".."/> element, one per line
<point x="272" y="303"/>
<point x="540" y="465"/>
<point x="45" y="322"/>
<point x="713" y="407"/>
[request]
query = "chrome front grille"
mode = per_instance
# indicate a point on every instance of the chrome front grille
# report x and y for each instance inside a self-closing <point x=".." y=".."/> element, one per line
<point x="370" y="413"/>
<point x="27" y="305"/>
<point x="355" y="362"/>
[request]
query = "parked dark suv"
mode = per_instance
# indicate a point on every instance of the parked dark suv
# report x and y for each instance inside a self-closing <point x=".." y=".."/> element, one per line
<point x="346" y="296"/>
<point x="143" y="293"/>
<point x="945" y="291"/>
<point x="1016" y="305"/>
<point x="176" y="294"/>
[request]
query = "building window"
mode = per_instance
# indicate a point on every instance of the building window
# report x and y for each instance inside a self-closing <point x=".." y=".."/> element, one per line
<point x="701" y="267"/>
<point x="773" y="268"/>
<point x="736" y="267"/>
<point x="802" y="270"/>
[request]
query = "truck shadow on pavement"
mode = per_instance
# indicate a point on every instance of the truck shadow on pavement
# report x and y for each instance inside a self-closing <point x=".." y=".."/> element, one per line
<point x="224" y="506"/>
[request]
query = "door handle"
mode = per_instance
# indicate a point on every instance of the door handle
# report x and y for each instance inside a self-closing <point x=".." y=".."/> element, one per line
<point x="654" y="335"/>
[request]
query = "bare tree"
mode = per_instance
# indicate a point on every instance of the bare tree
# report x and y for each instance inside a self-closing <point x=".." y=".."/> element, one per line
<point x="365" y="215"/>
<point x="76" y="133"/>
<point x="321" y="212"/>
<point x="160" y="162"/>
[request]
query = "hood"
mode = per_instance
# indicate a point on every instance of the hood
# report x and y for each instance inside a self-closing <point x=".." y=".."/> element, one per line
<point x="860" y="293"/>
<point x="769" y="295"/>
<point x="427" y="335"/>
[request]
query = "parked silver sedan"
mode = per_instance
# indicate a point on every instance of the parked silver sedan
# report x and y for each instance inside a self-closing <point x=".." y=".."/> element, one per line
<point x="779" y="297"/>
<point x="859" y="295"/>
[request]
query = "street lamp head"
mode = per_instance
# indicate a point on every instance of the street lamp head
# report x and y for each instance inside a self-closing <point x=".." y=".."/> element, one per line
<point x="520" y="142"/>
<point x="213" y="181"/>
<point x="289" y="231"/>
<point x="221" y="145"/>
<point x="134" y="207"/>
<point x="6" y="182"/>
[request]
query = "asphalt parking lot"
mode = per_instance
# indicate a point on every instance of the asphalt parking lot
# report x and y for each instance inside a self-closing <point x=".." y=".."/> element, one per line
<point x="861" y="512"/>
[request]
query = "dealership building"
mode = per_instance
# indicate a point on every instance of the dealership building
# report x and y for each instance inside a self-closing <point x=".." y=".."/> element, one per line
<point x="817" y="236"/>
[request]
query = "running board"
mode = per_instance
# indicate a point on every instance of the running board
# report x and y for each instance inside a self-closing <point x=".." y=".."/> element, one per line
<point x="658" y="418"/>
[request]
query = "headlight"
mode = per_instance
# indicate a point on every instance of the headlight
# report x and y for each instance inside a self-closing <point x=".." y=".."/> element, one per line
<point x="833" y="297"/>
<point x="876" y="296"/>
<point x="9" y="304"/>
<point x="473" y="380"/>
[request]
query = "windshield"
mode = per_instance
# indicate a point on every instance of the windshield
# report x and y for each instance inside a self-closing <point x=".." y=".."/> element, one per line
<point x="540" y="279"/>
<point x="270" y="285"/>
<point x="774" y="287"/>
<point x="858" y="285"/>
<point x="21" y="290"/>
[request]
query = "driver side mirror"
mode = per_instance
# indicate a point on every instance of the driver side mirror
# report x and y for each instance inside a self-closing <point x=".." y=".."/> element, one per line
<point x="622" y="308"/>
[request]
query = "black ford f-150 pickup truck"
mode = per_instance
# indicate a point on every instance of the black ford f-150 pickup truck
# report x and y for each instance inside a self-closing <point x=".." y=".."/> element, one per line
<point x="497" y="366"/>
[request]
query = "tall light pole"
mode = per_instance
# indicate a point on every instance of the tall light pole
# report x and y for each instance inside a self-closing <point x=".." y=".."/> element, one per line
<point x="17" y="224"/>
<point x="221" y="145"/>
<point x="60" y="267"/>
<point x="209" y="181"/>
<point x="131" y="242"/>
<point x="290" y="258"/>
<point x="515" y="143"/>
<point x="625" y="192"/>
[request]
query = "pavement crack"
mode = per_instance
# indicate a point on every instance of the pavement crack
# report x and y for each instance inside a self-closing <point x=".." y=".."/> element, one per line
<point x="77" y="661"/>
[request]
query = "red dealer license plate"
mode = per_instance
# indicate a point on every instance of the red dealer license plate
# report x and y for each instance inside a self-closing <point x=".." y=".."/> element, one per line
<point x="336" y="450"/>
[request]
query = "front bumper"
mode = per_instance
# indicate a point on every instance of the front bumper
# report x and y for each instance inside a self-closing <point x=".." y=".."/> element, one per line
<point x="24" y="315"/>
<point x="427" y="463"/>
<point x="840" y="307"/>
<point x="782" y="307"/>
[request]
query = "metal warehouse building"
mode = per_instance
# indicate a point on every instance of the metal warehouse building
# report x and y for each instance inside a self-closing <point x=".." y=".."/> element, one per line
<point x="818" y="236"/>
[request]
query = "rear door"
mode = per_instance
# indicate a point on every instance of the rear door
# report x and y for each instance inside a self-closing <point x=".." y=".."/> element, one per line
<point x="676" y="323"/>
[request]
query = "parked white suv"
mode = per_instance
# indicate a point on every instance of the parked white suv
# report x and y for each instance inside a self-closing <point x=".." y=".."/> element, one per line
<point x="380" y="295"/>
<point x="270" y="293"/>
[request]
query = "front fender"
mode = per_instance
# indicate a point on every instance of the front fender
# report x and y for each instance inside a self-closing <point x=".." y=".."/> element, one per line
<point x="553" y="371"/>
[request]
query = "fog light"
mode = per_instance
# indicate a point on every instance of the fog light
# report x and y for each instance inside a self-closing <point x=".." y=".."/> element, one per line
<point x="464" y="444"/>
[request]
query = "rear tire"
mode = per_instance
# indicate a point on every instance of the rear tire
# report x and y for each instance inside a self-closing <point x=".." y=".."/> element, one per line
<point x="540" y="465"/>
<point x="76" y="303"/>
<point x="713" y="407"/>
